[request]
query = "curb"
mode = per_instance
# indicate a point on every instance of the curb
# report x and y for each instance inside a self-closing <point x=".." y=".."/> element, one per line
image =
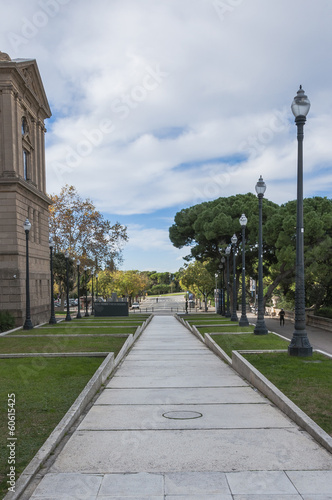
<point x="104" y="371"/>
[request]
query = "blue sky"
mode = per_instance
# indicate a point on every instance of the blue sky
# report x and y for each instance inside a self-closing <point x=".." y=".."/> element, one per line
<point x="161" y="104"/>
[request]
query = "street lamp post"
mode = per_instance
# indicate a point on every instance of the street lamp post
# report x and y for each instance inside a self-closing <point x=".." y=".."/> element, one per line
<point x="243" y="320"/>
<point x="227" y="251"/>
<point x="86" y="292"/>
<point x="78" y="316"/>
<point x="96" y="286"/>
<point x="300" y="345"/>
<point x="222" y="286"/>
<point x="92" y="301"/>
<point x="234" y="315"/>
<point x="68" y="317"/>
<point x="260" y="328"/>
<point x="27" y="324"/>
<point x="52" y="320"/>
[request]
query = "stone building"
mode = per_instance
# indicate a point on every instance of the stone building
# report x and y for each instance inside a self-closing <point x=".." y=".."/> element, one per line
<point x="23" y="110"/>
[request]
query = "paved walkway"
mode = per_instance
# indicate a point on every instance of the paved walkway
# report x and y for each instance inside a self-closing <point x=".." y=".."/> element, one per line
<point x="175" y="422"/>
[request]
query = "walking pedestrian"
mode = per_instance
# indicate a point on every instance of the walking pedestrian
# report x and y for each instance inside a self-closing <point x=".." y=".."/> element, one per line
<point x="282" y="317"/>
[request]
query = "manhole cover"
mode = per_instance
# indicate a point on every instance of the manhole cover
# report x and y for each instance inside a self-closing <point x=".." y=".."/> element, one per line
<point x="182" y="415"/>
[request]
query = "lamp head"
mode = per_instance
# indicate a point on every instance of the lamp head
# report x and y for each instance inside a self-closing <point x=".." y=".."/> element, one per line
<point x="78" y="262"/>
<point x="234" y="239"/>
<point x="51" y="242"/>
<point x="228" y="250"/>
<point x="243" y="220"/>
<point x="27" y="225"/>
<point x="66" y="254"/>
<point x="260" y="186"/>
<point x="301" y="104"/>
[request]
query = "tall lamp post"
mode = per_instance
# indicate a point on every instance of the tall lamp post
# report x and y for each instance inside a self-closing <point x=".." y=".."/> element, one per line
<point x="68" y="317"/>
<point x="27" y="324"/>
<point x="86" y="292"/>
<point x="243" y="320"/>
<point x="52" y="320"/>
<point x="260" y="328"/>
<point x="227" y="251"/>
<point x="96" y="286"/>
<point x="222" y="266"/>
<point x="300" y="345"/>
<point x="78" y="316"/>
<point x="92" y="301"/>
<point x="234" y="315"/>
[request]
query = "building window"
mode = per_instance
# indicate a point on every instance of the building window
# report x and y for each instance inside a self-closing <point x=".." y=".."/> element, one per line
<point x="24" y="125"/>
<point x="25" y="164"/>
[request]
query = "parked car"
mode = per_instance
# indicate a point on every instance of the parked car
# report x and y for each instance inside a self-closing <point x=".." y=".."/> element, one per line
<point x="135" y="305"/>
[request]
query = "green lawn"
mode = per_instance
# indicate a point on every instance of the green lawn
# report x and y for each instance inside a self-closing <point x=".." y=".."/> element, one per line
<point x="74" y="330"/>
<point x="249" y="341"/>
<point x="306" y="381"/>
<point x="81" y="343"/>
<point x="44" y="390"/>
<point x="219" y="329"/>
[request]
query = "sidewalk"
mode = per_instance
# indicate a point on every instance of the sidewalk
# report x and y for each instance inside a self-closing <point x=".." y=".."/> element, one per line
<point x="175" y="422"/>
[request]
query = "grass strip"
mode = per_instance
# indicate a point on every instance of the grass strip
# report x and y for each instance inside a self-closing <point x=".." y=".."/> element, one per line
<point x="306" y="381"/>
<point x="219" y="329"/>
<point x="81" y="343"/>
<point x="44" y="390"/>
<point x="73" y="330"/>
<point x="249" y="341"/>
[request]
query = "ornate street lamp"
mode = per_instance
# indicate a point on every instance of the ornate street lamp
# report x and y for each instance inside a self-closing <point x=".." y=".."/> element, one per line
<point x="216" y="298"/>
<point x="86" y="292"/>
<point x="243" y="320"/>
<point x="27" y="324"/>
<point x="300" y="345"/>
<point x="78" y="316"/>
<point x="53" y="320"/>
<point x="92" y="301"/>
<point x="234" y="315"/>
<point x="96" y="286"/>
<point x="68" y="317"/>
<point x="260" y="328"/>
<point x="227" y="251"/>
<point x="222" y="266"/>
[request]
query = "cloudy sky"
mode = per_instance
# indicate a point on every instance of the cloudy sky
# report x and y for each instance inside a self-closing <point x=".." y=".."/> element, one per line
<point x="161" y="104"/>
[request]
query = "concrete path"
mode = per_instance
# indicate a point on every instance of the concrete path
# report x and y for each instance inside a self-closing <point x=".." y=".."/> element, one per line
<point x="175" y="422"/>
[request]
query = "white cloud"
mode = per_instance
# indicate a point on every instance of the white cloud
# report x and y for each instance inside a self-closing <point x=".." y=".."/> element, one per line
<point x="119" y="74"/>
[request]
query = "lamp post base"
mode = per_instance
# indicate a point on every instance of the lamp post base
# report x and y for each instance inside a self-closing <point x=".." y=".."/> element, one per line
<point x="234" y="317"/>
<point x="52" y="321"/>
<point x="243" y="321"/>
<point x="260" y="328"/>
<point x="300" y="345"/>
<point x="28" y="325"/>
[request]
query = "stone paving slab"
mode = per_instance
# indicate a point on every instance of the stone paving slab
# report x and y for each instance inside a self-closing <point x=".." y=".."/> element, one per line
<point x="257" y="485"/>
<point x="180" y="395"/>
<point x="174" y="381"/>
<point x="220" y="416"/>
<point x="191" y="450"/>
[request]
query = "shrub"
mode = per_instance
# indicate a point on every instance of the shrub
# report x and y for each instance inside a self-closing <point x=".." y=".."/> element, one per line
<point x="326" y="312"/>
<point x="7" y="321"/>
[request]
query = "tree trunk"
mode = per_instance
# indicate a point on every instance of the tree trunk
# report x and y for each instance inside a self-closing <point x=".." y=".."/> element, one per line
<point x="283" y="274"/>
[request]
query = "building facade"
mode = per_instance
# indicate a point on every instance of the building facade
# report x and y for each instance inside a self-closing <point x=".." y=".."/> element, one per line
<point x="23" y="111"/>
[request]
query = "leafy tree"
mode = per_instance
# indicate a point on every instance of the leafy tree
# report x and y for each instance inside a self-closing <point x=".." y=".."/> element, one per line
<point x="210" y="225"/>
<point x="196" y="277"/>
<point x="129" y="283"/>
<point x="60" y="274"/>
<point x="78" y="227"/>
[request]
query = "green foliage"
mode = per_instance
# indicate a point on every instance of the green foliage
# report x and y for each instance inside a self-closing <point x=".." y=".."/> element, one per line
<point x="159" y="289"/>
<point x="208" y="227"/>
<point x="7" y="321"/>
<point x="325" y="312"/>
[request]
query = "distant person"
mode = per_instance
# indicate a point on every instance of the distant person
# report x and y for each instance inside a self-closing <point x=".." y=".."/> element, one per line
<point x="282" y="317"/>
